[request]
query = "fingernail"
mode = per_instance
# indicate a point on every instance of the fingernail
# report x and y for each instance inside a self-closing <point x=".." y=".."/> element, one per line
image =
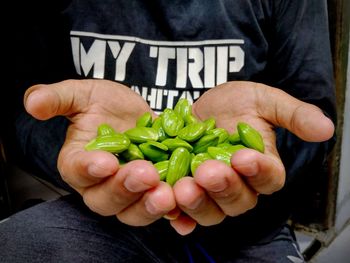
<point x="95" y="170"/>
<point x="250" y="169"/>
<point x="173" y="214"/>
<point x="151" y="208"/>
<point x="219" y="186"/>
<point x="194" y="205"/>
<point x="134" y="185"/>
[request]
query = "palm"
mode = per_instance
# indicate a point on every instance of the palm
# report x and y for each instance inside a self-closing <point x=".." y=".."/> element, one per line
<point x="107" y="102"/>
<point x="230" y="103"/>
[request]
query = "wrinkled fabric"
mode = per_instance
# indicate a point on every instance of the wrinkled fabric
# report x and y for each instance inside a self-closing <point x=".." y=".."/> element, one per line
<point x="65" y="230"/>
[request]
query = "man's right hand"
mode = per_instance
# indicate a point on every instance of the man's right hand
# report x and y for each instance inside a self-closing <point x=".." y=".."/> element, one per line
<point x="133" y="192"/>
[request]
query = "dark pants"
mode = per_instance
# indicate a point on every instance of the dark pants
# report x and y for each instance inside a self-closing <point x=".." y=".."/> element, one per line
<point x="64" y="230"/>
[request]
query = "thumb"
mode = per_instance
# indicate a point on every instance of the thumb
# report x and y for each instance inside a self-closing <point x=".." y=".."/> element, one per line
<point x="63" y="98"/>
<point x="305" y="120"/>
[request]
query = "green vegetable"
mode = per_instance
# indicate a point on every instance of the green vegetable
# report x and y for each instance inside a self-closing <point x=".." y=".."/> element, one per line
<point x="115" y="143"/>
<point x="204" y="142"/>
<point x="173" y="143"/>
<point x="210" y="123"/>
<point x="220" y="154"/>
<point x="198" y="160"/>
<point x="179" y="165"/>
<point x="145" y="120"/>
<point x="154" y="151"/>
<point x="162" y="168"/>
<point x="176" y="142"/>
<point x="192" y="132"/>
<point x="132" y="153"/>
<point x="142" y="134"/>
<point x="231" y="148"/>
<point x="105" y="129"/>
<point x="172" y="122"/>
<point x="157" y="125"/>
<point x="221" y="133"/>
<point x="190" y="119"/>
<point x="234" y="138"/>
<point x="183" y="108"/>
<point x="250" y="137"/>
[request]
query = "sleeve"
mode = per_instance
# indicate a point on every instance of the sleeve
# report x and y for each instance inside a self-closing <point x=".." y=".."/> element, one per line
<point x="300" y="63"/>
<point x="40" y="53"/>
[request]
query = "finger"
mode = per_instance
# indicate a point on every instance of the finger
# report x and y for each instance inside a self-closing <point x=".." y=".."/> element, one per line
<point x="62" y="98"/>
<point x="194" y="201"/>
<point x="81" y="169"/>
<point x="264" y="173"/>
<point x="225" y="187"/>
<point x="173" y="214"/>
<point x="183" y="224"/>
<point x="119" y="191"/>
<point x="303" y="119"/>
<point x="154" y="204"/>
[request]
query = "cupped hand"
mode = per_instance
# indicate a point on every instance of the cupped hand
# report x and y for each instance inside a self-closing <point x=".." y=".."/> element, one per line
<point x="217" y="190"/>
<point x="132" y="192"/>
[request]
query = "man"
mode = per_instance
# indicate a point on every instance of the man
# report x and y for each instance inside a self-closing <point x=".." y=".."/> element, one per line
<point x="264" y="62"/>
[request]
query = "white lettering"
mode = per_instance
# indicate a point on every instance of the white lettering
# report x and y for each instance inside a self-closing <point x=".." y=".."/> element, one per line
<point x="152" y="98"/>
<point x="94" y="58"/>
<point x="181" y="67"/>
<point x="136" y="89"/>
<point x="157" y="96"/>
<point x="170" y="99"/>
<point x="195" y="66"/>
<point x="164" y="55"/>
<point x="205" y="67"/>
<point x="209" y="67"/>
<point x="121" y="58"/>
<point x="237" y="64"/>
<point x="75" y="42"/>
<point x="221" y="65"/>
<point x="159" y="99"/>
<point x="144" y="93"/>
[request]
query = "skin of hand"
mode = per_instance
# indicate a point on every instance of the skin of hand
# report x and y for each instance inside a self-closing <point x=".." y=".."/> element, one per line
<point x="216" y="190"/>
<point x="132" y="192"/>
